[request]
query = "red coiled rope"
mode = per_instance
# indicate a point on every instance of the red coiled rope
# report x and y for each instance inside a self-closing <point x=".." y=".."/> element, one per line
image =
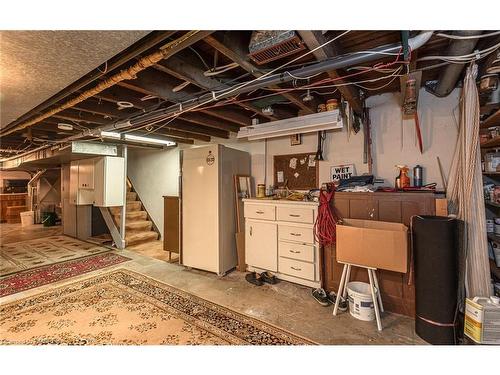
<point x="325" y="225"/>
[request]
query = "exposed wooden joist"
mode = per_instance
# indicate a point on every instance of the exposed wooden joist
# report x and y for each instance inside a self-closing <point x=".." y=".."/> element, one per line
<point x="205" y="120"/>
<point x="78" y="116"/>
<point x="182" y="134"/>
<point x="117" y="94"/>
<point x="152" y="82"/>
<point x="231" y="46"/>
<point x="314" y="39"/>
<point x="183" y="69"/>
<point x="228" y="115"/>
<point x="198" y="129"/>
<point x="102" y="108"/>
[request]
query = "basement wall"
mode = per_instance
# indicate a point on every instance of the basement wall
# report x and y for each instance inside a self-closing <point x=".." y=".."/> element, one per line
<point x="155" y="173"/>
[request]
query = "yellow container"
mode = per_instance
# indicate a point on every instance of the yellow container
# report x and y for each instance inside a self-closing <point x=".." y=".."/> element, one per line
<point x="261" y="191"/>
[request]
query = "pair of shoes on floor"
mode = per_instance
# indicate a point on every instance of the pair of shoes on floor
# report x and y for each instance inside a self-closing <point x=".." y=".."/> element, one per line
<point x="264" y="277"/>
<point x="332" y="296"/>
<point x="327" y="299"/>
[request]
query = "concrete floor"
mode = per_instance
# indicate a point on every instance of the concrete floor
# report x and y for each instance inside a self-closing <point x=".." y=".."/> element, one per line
<point x="285" y="304"/>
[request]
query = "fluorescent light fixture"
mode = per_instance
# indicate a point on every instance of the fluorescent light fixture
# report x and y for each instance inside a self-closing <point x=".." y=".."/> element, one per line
<point x="137" y="138"/>
<point x="157" y="141"/>
<point x="64" y="126"/>
<point x="110" y="134"/>
<point x="296" y="125"/>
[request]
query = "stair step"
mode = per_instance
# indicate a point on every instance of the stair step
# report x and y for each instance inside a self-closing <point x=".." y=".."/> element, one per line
<point x="140" y="237"/>
<point x="131" y="206"/>
<point x="132" y="216"/>
<point x="131" y="196"/>
<point x="139" y="225"/>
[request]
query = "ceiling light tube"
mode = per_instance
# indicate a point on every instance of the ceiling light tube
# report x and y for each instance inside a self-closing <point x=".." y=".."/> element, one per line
<point x="157" y="141"/>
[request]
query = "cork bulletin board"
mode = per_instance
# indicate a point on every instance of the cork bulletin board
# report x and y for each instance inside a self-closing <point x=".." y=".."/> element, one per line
<point x="300" y="170"/>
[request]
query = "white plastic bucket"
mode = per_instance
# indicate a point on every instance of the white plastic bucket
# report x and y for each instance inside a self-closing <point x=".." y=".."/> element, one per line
<point x="27" y="218"/>
<point x="360" y="300"/>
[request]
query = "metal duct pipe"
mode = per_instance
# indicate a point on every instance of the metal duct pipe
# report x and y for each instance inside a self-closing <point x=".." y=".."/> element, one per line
<point x="449" y="75"/>
<point x="324" y="66"/>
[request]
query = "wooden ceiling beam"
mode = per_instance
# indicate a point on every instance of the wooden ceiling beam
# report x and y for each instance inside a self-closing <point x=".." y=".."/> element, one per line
<point x="198" y="129"/>
<point x="314" y="39"/>
<point x="183" y="134"/>
<point x="117" y="94"/>
<point x="181" y="68"/>
<point x="102" y="108"/>
<point x="205" y="120"/>
<point x="78" y="116"/>
<point x="228" y="115"/>
<point x="230" y="44"/>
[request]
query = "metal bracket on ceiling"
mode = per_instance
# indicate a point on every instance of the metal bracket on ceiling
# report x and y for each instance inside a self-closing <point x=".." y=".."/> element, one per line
<point x="405" y="35"/>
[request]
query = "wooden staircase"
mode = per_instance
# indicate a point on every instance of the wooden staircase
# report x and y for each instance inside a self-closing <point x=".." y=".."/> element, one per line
<point x="138" y="228"/>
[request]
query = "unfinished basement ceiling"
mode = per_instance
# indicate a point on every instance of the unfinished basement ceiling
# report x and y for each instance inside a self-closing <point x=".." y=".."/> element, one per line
<point x="35" y="65"/>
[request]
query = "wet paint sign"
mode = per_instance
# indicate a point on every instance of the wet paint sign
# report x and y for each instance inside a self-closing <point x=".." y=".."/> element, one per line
<point x="342" y="172"/>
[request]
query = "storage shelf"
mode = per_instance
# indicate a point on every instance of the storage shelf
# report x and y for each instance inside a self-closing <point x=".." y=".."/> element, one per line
<point x="494" y="237"/>
<point x="495" y="142"/>
<point x="491" y="173"/>
<point x="492" y="204"/>
<point x="493" y="120"/>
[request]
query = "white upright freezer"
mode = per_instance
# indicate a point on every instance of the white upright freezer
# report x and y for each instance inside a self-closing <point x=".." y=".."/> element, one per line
<point x="208" y="206"/>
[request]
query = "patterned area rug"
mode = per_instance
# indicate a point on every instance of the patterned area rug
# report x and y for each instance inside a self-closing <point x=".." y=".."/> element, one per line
<point x="20" y="256"/>
<point x="33" y="278"/>
<point x="123" y="307"/>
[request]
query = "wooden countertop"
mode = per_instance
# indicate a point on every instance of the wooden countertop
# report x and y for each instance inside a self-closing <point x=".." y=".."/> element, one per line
<point x="278" y="201"/>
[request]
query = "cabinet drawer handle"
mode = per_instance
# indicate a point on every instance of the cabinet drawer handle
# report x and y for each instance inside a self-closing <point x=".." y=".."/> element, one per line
<point x="250" y="230"/>
<point x="259" y="212"/>
<point x="294" y="215"/>
<point x="296" y="269"/>
<point x="296" y="234"/>
<point x="294" y="252"/>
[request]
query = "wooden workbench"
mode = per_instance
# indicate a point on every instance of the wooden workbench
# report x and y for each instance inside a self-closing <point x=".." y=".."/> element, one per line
<point x="13" y="199"/>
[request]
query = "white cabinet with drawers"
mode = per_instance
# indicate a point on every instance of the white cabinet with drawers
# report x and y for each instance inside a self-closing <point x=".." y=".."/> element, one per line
<point x="279" y="237"/>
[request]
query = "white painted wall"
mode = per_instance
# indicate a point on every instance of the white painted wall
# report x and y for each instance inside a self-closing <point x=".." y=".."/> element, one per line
<point x="155" y="173"/>
<point x="438" y="128"/>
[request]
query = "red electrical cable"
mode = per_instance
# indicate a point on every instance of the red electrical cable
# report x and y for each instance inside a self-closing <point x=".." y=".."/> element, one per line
<point x="325" y="225"/>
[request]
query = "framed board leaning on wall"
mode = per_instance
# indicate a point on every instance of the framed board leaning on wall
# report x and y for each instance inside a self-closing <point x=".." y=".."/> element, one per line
<point x="297" y="171"/>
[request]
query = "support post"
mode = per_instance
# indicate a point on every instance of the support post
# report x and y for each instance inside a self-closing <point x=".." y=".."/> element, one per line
<point x="124" y="207"/>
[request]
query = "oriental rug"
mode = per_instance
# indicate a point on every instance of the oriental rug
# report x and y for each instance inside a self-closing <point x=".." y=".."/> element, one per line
<point x="36" y="277"/>
<point x="125" y="308"/>
<point x="24" y="255"/>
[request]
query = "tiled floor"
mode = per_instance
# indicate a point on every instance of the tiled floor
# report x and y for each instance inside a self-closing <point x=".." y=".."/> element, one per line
<point x="286" y="305"/>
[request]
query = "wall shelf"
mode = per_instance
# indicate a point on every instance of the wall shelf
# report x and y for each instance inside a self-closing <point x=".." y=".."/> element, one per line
<point x="493" y="120"/>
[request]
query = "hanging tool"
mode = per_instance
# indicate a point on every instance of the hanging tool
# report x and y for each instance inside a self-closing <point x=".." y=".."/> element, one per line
<point x="321" y="139"/>
<point x="419" y="134"/>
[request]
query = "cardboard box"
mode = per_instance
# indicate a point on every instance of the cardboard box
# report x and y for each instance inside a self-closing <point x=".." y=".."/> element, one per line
<point x="376" y="244"/>
<point x="482" y="320"/>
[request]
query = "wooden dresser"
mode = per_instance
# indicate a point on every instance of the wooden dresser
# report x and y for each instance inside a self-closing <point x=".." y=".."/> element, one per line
<point x="397" y="295"/>
<point x="279" y="238"/>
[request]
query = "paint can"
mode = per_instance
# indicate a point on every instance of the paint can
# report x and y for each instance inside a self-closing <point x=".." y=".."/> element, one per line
<point x="321" y="108"/>
<point x="332" y="105"/>
<point x="261" y="191"/>
<point x="418" y="176"/>
<point x="360" y="300"/>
